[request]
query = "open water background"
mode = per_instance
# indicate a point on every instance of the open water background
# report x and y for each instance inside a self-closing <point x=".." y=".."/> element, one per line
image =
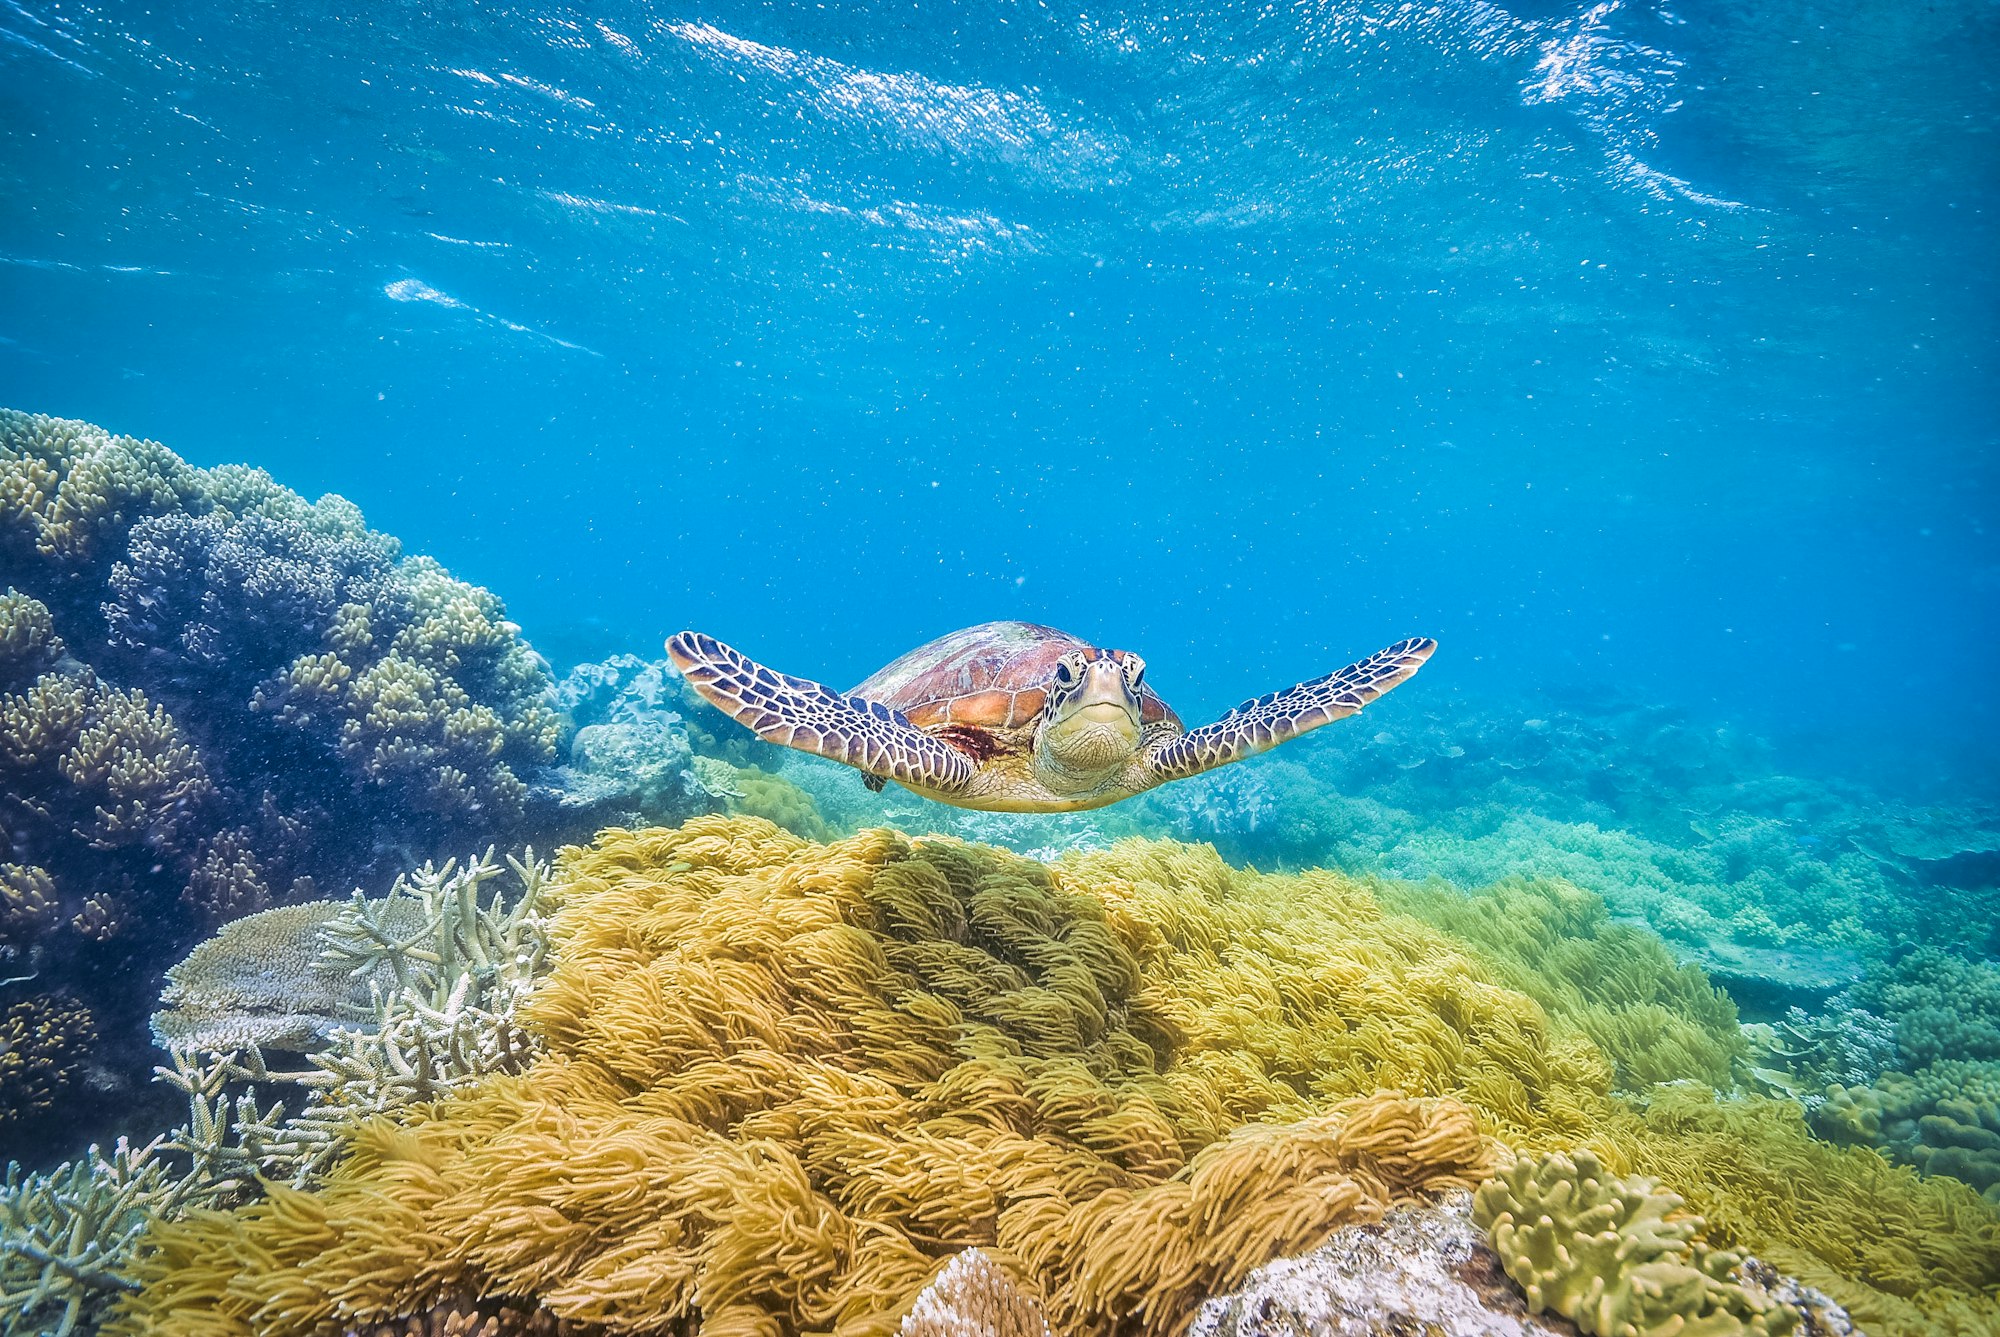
<point x="1619" y="346"/>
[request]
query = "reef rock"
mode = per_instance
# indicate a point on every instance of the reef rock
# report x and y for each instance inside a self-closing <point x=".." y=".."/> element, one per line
<point x="1428" y="1269"/>
<point x="1420" y="1269"/>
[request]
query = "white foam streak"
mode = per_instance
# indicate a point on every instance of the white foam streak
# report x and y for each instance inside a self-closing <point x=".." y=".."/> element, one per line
<point x="416" y="290"/>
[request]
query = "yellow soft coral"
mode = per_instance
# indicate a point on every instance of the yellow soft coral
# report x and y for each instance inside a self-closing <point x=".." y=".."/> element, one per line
<point x="783" y="1082"/>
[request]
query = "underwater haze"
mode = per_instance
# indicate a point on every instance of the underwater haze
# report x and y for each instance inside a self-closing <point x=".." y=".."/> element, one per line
<point x="1617" y="346"/>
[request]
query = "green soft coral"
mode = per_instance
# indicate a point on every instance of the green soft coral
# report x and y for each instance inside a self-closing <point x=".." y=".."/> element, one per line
<point x="1657" y="1020"/>
<point x="1618" y="1256"/>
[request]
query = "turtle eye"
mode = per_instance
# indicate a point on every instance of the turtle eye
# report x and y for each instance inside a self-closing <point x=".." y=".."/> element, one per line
<point x="1135" y="671"/>
<point x="1065" y="673"/>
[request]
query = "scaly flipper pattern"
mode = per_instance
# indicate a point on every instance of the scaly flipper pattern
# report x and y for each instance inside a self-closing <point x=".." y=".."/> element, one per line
<point x="812" y="717"/>
<point x="1256" y="726"/>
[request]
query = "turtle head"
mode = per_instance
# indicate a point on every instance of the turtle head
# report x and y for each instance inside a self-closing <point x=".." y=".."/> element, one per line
<point x="1090" y="721"/>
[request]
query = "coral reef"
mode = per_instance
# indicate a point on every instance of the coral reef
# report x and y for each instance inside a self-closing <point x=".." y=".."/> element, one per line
<point x="775" y="1085"/>
<point x="45" y="1041"/>
<point x="1900" y="1253"/>
<point x="1942" y="1005"/>
<point x="1944" y="1119"/>
<point x="214" y="693"/>
<point x="634" y="758"/>
<point x="1618" y="1256"/>
<point x="416" y="997"/>
<point x="791" y="1080"/>
<point x="1781" y="886"/>
<point x="1804" y="1054"/>
<point x="446" y="965"/>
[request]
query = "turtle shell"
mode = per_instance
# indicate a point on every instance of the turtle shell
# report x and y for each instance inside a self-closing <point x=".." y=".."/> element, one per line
<point x="987" y="677"/>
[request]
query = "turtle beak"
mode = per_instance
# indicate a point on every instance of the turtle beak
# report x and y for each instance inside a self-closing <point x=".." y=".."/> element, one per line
<point x="1104" y="695"/>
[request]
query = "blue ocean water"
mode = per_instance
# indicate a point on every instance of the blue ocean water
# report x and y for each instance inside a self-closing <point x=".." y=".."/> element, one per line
<point x="1615" y="345"/>
<point x="1644" y="356"/>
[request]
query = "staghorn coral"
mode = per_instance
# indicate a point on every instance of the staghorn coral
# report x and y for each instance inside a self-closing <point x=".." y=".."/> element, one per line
<point x="66" y="1237"/>
<point x="787" y="1079"/>
<point x="1618" y="1256"/>
<point x="45" y="1040"/>
<point x="399" y="1000"/>
<point x="974" y="1297"/>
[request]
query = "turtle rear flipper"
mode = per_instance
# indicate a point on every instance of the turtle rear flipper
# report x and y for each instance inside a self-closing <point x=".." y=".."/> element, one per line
<point x="812" y="717"/>
<point x="1256" y="726"/>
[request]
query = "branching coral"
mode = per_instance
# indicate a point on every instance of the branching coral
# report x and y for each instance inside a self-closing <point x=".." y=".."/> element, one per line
<point x="131" y="755"/>
<point x="239" y="595"/>
<point x="214" y="692"/>
<point x="1616" y="1255"/>
<point x="1942" y="1005"/>
<point x="28" y="903"/>
<point x="67" y="1237"/>
<point x="68" y="490"/>
<point x="400" y="1000"/>
<point x="45" y="1039"/>
<point x="426" y="689"/>
<point x="28" y="640"/>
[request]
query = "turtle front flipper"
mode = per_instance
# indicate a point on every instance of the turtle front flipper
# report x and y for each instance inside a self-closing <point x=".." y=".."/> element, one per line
<point x="812" y="717"/>
<point x="1259" y="725"/>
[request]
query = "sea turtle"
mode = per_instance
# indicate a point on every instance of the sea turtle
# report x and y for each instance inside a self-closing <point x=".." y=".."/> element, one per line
<point x="1015" y="717"/>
